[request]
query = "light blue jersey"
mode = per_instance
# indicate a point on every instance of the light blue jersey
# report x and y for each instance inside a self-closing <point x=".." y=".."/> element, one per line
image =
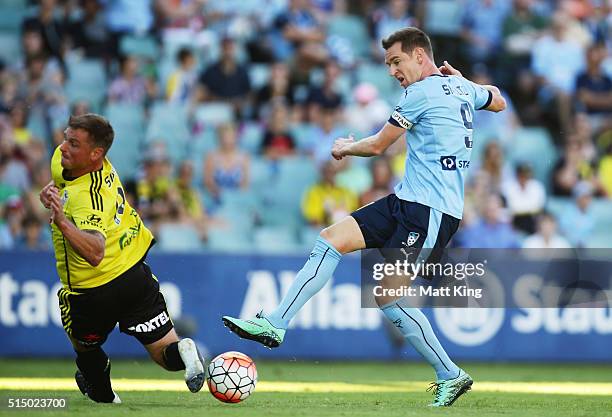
<point x="438" y="113"/>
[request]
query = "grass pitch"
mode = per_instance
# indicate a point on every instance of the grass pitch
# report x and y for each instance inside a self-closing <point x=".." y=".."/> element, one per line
<point x="321" y="389"/>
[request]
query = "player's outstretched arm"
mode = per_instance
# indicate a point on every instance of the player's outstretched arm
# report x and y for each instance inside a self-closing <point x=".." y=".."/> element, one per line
<point x="371" y="146"/>
<point x="498" y="103"/>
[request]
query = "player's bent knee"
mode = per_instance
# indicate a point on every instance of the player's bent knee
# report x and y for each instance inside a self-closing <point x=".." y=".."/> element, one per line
<point x="345" y="236"/>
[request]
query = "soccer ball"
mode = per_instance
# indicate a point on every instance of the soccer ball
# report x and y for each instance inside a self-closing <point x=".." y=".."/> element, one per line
<point x="231" y="377"/>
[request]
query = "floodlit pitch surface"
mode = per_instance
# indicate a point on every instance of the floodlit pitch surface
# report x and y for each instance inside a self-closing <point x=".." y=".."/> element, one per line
<point x="322" y="389"/>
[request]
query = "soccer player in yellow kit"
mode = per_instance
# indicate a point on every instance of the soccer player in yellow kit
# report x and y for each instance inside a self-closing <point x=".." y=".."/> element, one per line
<point x="100" y="247"/>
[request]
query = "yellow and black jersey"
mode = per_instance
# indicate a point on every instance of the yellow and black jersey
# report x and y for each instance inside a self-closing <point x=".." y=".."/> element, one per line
<point x="96" y="201"/>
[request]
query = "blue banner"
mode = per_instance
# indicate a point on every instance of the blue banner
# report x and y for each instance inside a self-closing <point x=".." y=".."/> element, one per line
<point x="201" y="288"/>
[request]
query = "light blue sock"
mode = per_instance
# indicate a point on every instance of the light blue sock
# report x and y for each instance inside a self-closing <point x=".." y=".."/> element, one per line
<point x="318" y="269"/>
<point x="415" y="327"/>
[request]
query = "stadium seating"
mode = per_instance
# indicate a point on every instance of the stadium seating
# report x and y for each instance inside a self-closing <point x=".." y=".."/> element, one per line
<point x="10" y="46"/>
<point x="86" y="81"/>
<point x="533" y="146"/>
<point x="168" y="124"/>
<point x="251" y="136"/>
<point x="378" y="76"/>
<point x="139" y="46"/>
<point x="221" y="240"/>
<point x="11" y="17"/>
<point x="353" y="29"/>
<point x="178" y="238"/>
<point x="213" y="114"/>
<point x="259" y="74"/>
<point x="126" y="152"/>
<point x="275" y="240"/>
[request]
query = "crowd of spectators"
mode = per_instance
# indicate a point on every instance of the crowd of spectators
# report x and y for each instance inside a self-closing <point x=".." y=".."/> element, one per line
<point x="225" y="112"/>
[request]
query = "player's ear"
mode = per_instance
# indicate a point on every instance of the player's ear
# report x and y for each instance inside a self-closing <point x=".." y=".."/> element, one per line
<point x="97" y="153"/>
<point x="419" y="55"/>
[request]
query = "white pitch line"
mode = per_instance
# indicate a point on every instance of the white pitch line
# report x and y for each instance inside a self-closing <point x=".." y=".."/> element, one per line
<point x="122" y="384"/>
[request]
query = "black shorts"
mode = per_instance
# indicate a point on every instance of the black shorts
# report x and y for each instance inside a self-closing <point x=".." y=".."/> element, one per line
<point x="133" y="300"/>
<point x="394" y="224"/>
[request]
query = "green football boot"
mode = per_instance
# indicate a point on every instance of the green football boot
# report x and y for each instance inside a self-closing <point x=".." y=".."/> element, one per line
<point x="446" y="392"/>
<point x="258" y="329"/>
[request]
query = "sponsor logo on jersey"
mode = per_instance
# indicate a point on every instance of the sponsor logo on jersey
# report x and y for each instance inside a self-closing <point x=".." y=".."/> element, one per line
<point x="126" y="239"/>
<point x="469" y="142"/>
<point x="64" y="197"/>
<point x="450" y="163"/>
<point x="151" y="325"/>
<point x="94" y="218"/>
<point x="403" y="122"/>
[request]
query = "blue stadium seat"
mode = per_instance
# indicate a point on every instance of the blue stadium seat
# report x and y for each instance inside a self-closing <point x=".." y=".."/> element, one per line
<point x="259" y="74"/>
<point x="38" y="126"/>
<point x="11" y="17"/>
<point x="202" y="143"/>
<point x="168" y="123"/>
<point x="295" y="175"/>
<point x="126" y="153"/>
<point x="353" y="29"/>
<point x="303" y="133"/>
<point x="178" y="238"/>
<point x="139" y="46"/>
<point x="307" y="236"/>
<point x="443" y="17"/>
<point x="275" y="240"/>
<point x="126" y="114"/>
<point x="228" y="241"/>
<point x="251" y="136"/>
<point x="388" y="87"/>
<point x="86" y="81"/>
<point x="10" y="46"/>
<point x="602" y="210"/>
<point x="600" y="239"/>
<point x="261" y="173"/>
<point x="558" y="205"/>
<point x="214" y="113"/>
<point x="534" y="146"/>
<point x="282" y="197"/>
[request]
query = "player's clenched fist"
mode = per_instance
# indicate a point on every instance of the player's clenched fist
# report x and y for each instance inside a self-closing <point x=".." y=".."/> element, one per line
<point x="44" y="195"/>
<point x="448" y="69"/>
<point x="341" y="146"/>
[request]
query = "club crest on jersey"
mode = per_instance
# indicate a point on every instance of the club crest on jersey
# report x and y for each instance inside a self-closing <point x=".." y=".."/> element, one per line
<point x="412" y="239"/>
<point x="64" y="197"/>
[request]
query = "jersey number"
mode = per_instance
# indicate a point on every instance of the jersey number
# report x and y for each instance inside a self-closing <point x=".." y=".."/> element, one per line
<point x="120" y="205"/>
<point x="467" y="116"/>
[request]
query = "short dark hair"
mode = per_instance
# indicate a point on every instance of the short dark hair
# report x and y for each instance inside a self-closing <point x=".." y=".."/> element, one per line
<point x="183" y="54"/>
<point x="100" y="130"/>
<point x="410" y="38"/>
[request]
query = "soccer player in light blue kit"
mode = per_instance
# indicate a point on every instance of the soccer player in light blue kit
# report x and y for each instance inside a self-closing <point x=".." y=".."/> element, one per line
<point x="436" y="113"/>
